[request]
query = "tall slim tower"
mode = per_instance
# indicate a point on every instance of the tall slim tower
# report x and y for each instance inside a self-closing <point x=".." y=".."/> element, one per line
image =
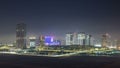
<point x="21" y="36"/>
<point x="75" y="39"/>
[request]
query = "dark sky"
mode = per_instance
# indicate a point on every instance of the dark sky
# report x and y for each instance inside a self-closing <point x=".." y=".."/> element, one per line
<point x="58" y="17"/>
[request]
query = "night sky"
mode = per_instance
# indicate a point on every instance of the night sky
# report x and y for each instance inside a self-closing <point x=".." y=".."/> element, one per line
<point x="57" y="17"/>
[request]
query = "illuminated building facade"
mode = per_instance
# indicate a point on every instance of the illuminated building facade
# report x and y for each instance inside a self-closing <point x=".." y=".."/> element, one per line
<point x="78" y="39"/>
<point x="75" y="38"/>
<point x="81" y="38"/>
<point x="32" y="41"/>
<point x="92" y="41"/>
<point x="42" y="39"/>
<point x="88" y="40"/>
<point x="105" y="40"/>
<point x="49" y="40"/>
<point x="69" y="39"/>
<point x="21" y="36"/>
<point x="118" y="44"/>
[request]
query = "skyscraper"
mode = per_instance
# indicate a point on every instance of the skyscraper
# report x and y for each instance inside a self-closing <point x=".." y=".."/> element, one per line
<point x="81" y="38"/>
<point x="88" y="40"/>
<point x="21" y="36"/>
<point x="75" y="38"/>
<point x="69" y="39"/>
<point x="105" y="40"/>
<point x="42" y="40"/>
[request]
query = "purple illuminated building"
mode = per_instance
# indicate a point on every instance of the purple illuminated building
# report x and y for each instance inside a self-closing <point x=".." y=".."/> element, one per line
<point x="49" y="40"/>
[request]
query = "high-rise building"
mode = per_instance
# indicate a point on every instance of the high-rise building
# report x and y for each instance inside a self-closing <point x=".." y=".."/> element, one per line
<point x="21" y="36"/>
<point x="78" y="39"/>
<point x="75" y="41"/>
<point x="69" y="39"/>
<point x="92" y="41"/>
<point x="42" y="39"/>
<point x="48" y="40"/>
<point x="117" y="44"/>
<point x="88" y="40"/>
<point x="32" y="41"/>
<point x="63" y="42"/>
<point x="105" y="40"/>
<point x="81" y="38"/>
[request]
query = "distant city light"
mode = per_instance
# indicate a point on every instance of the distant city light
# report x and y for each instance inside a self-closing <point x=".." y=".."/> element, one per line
<point x="98" y="45"/>
<point x="112" y="47"/>
<point x="32" y="37"/>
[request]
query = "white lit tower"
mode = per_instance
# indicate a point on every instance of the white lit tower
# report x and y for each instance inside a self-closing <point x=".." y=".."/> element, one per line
<point x="75" y="41"/>
<point x="69" y="39"/>
<point x="81" y="38"/>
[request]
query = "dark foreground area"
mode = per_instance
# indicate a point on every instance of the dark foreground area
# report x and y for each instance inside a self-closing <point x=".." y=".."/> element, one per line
<point x="16" y="61"/>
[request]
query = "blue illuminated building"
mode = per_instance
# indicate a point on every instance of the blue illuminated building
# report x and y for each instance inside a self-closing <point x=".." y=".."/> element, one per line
<point x="49" y="40"/>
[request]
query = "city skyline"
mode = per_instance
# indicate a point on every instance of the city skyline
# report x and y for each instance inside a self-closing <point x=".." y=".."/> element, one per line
<point x="59" y="17"/>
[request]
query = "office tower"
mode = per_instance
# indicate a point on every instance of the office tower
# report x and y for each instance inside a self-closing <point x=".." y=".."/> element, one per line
<point x="51" y="41"/>
<point x="32" y="41"/>
<point x="92" y="41"/>
<point x="48" y="40"/>
<point x="105" y="40"/>
<point x="21" y="36"/>
<point x="75" y="39"/>
<point x="81" y="38"/>
<point x="117" y="44"/>
<point x="97" y="43"/>
<point x="42" y="39"/>
<point x="88" y="40"/>
<point x="69" y="39"/>
<point x="63" y="42"/>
